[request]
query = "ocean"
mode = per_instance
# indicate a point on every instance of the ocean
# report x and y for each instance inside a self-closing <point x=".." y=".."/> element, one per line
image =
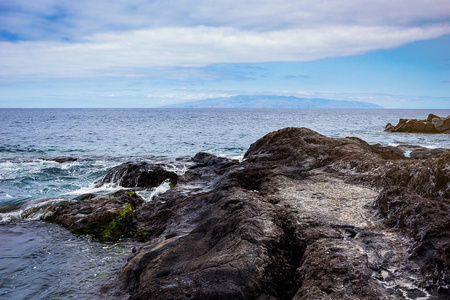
<point x="44" y="261"/>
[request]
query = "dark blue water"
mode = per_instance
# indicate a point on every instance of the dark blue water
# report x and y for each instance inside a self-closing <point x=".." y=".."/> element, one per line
<point x="39" y="260"/>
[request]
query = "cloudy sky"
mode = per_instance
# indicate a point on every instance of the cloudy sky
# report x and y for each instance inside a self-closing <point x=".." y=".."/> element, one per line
<point x="136" y="53"/>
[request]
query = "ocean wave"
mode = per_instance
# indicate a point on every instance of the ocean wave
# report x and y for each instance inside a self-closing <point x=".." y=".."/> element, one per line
<point x="91" y="189"/>
<point x="20" y="149"/>
<point x="31" y="210"/>
<point x="149" y="194"/>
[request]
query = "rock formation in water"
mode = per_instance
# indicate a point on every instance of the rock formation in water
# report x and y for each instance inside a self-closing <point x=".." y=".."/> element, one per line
<point x="106" y="218"/>
<point x="138" y="174"/>
<point x="304" y="216"/>
<point x="433" y="124"/>
<point x="62" y="160"/>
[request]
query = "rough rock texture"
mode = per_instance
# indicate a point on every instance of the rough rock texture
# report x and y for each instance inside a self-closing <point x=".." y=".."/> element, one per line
<point x="304" y="216"/>
<point x="294" y="221"/>
<point x="106" y="218"/>
<point x="138" y="174"/>
<point x="433" y="124"/>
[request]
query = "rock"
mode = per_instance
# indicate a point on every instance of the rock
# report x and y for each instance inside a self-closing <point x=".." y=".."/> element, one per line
<point x="442" y="125"/>
<point x="106" y="218"/>
<point x="303" y="216"/>
<point x="388" y="152"/>
<point x="206" y="159"/>
<point x="305" y="149"/>
<point x="289" y="223"/>
<point x="427" y="153"/>
<point x="389" y="127"/>
<point x="433" y="124"/>
<point x="62" y="159"/>
<point x="419" y="152"/>
<point x="419" y="126"/>
<point x="138" y="174"/>
<point x="431" y="117"/>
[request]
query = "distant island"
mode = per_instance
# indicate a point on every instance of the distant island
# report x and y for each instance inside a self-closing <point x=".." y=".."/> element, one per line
<point x="270" y="101"/>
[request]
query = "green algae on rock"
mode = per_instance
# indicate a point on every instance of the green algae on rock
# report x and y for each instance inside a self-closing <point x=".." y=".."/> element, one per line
<point x="106" y="218"/>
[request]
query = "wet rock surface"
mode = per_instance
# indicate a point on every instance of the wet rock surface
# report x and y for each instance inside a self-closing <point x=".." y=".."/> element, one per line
<point x="303" y="216"/>
<point x="432" y="124"/>
<point x="106" y="218"/>
<point x="62" y="160"/>
<point x="138" y="174"/>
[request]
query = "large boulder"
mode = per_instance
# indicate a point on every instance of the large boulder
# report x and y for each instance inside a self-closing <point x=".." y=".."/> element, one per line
<point x="306" y="149"/>
<point x="441" y="124"/>
<point x="138" y="174"/>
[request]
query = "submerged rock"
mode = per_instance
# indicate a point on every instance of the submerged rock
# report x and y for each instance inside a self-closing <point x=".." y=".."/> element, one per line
<point x="62" y="159"/>
<point x="433" y="124"/>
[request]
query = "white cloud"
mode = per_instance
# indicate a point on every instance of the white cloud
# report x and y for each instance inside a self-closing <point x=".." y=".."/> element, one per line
<point x="133" y="52"/>
<point x="128" y="38"/>
<point x="87" y="17"/>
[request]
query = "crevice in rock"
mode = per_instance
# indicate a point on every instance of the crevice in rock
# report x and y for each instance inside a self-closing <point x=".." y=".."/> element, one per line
<point x="252" y="179"/>
<point x="286" y="255"/>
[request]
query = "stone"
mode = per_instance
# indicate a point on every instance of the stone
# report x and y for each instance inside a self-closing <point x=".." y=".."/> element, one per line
<point x="62" y="159"/>
<point x="290" y="222"/>
<point x="303" y="216"/>
<point x="437" y="123"/>
<point x="446" y="124"/>
<point x="138" y="174"/>
<point x="427" y="153"/>
<point x="389" y="127"/>
<point x="105" y="218"/>
<point x="419" y="126"/>
<point x="433" y="124"/>
<point x="431" y="117"/>
<point x="388" y="152"/>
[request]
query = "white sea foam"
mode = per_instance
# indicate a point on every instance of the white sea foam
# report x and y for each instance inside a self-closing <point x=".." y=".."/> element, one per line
<point x="148" y="195"/>
<point x="31" y="210"/>
<point x="10" y="216"/>
<point x="238" y="157"/>
<point x="104" y="189"/>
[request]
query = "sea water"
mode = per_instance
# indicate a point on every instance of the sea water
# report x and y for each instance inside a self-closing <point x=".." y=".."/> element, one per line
<point x="40" y="260"/>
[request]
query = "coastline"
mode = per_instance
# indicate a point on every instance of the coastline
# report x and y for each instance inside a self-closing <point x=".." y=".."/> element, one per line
<point x="303" y="216"/>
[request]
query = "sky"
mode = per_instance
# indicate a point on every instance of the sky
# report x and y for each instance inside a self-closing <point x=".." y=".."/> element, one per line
<point x="136" y="53"/>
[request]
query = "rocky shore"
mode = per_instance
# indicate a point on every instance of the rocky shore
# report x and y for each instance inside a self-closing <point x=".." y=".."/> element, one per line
<point x="303" y="216"/>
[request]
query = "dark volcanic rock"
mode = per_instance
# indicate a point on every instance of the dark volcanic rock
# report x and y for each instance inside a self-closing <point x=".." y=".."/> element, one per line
<point x="138" y="174"/>
<point x="433" y="124"/>
<point x="427" y="153"/>
<point x="418" y="203"/>
<point x="303" y="216"/>
<point x="306" y="149"/>
<point x="388" y="152"/>
<point x="206" y="159"/>
<point x="62" y="159"/>
<point x="287" y="223"/>
<point x="106" y="218"/>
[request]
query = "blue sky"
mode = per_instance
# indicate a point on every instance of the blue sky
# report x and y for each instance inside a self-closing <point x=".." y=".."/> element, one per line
<point x="98" y="53"/>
